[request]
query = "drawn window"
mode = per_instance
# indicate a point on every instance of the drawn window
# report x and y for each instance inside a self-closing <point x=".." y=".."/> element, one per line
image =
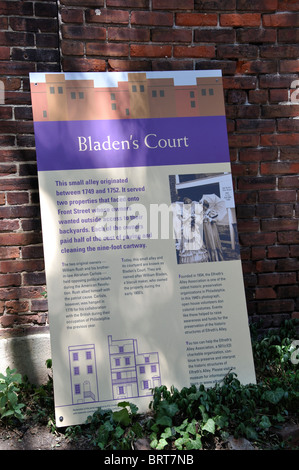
<point x="60" y="90"/>
<point x="75" y="356"/>
<point x="203" y="92"/>
<point x="154" y="93"/>
<point x="89" y="369"/>
<point x="112" y="96"/>
<point x="127" y="111"/>
<point x="191" y="94"/>
<point x="113" y="106"/>
<point x="211" y="91"/>
<point x="142" y="370"/>
<point x="121" y="390"/>
<point x="127" y="361"/>
<point x="192" y="104"/>
<point x="117" y="362"/>
<point x="88" y="355"/>
<point x="154" y="368"/>
<point x="77" y="389"/>
<point x="161" y="93"/>
<point x="76" y="370"/>
<point x="134" y="88"/>
<point x="52" y="90"/>
<point x="118" y="375"/>
<point x="73" y="95"/>
<point x="146" y="359"/>
<point x="44" y="114"/>
<point x="81" y="95"/>
<point x="120" y="349"/>
<point x="142" y="88"/>
<point x="145" y="384"/>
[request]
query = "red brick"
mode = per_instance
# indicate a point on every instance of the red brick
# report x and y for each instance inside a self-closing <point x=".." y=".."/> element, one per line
<point x="7" y="252"/>
<point x="150" y="50"/>
<point x="280" y="139"/>
<point x="278" y="95"/>
<point x="274" y="306"/>
<point x="117" y="65"/>
<point x="128" y="34"/>
<point x="16" y="306"/>
<point x="240" y="19"/>
<point x="256" y="35"/>
<point x="196" y="19"/>
<point x="100" y="49"/>
<point x="258" y="182"/>
<point x="83" y="32"/>
<point x="289" y="66"/>
<point x="265" y="293"/>
<point x="273" y="279"/>
<point x="194" y="51"/>
<point x="13" y="293"/>
<point x="256" y="66"/>
<point x="279" y="224"/>
<point x="278" y="251"/>
<point x="280" y="20"/>
<point x="288" y="182"/>
<point x="257" y="125"/>
<point x="279" y="51"/>
<point x="82" y="3"/>
<point x="16" y="8"/>
<point x="11" y="239"/>
<point x="171" y="35"/>
<point x="84" y="65"/>
<point x="243" y="140"/>
<point x="277" y="196"/>
<point x="72" y="47"/>
<point x="148" y="18"/>
<point x="172" y="4"/>
<point x="20" y="265"/>
<point x="252" y="239"/>
<point x="72" y="15"/>
<point x="10" y="280"/>
<point x="288" y="237"/>
<point x="107" y="16"/>
<point x="271" y="168"/>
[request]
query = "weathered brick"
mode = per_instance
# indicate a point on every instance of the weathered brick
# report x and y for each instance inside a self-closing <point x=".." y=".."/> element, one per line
<point x="107" y="16"/>
<point x="130" y="34"/>
<point x="148" y="18"/>
<point x="99" y="49"/>
<point x="72" y="15"/>
<point x="86" y="32"/>
<point x="172" y="4"/>
<point x="283" y="20"/>
<point x="240" y="19"/>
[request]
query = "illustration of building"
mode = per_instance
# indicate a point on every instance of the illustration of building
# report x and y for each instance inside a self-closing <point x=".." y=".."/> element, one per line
<point x="83" y="374"/>
<point x="139" y="97"/>
<point x="133" y="374"/>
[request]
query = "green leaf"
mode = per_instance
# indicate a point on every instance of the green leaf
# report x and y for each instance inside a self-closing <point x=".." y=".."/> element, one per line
<point x="209" y="426"/>
<point x="265" y="422"/>
<point x="274" y="396"/>
<point x="161" y="444"/>
<point x="122" y="417"/>
<point x="164" y="421"/>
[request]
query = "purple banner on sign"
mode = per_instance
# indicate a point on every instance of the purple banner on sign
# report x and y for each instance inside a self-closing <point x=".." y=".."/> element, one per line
<point x="76" y="145"/>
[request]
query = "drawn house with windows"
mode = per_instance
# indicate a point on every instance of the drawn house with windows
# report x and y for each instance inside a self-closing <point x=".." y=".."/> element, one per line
<point x="83" y="374"/>
<point x="133" y="374"/>
<point x="139" y="97"/>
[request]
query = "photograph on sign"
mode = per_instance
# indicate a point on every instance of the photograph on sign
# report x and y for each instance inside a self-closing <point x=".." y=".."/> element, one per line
<point x="142" y="259"/>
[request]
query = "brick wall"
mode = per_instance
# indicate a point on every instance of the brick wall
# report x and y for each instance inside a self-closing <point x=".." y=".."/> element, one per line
<point x="253" y="42"/>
